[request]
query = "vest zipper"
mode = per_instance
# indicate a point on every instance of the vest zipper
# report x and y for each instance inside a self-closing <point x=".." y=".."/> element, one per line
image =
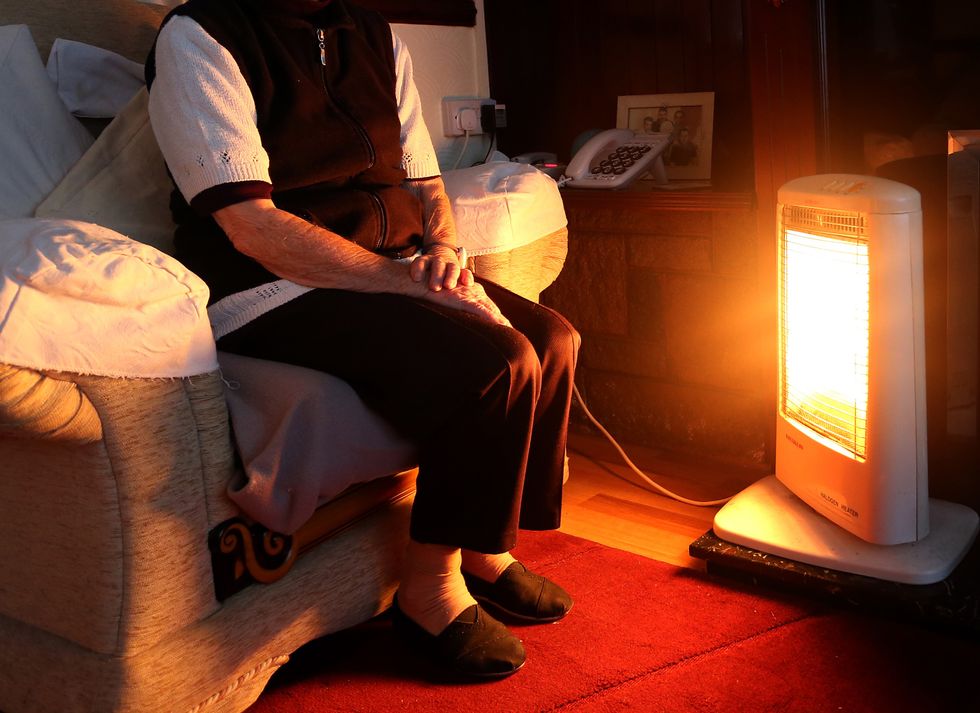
<point x="354" y="124"/>
<point x="322" y="45"/>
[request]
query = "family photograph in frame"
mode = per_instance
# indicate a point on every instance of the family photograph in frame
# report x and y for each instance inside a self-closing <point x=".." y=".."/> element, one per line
<point x="687" y="117"/>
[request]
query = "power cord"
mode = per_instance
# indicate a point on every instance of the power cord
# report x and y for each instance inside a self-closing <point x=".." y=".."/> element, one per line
<point x="656" y="486"/>
<point x="462" y="151"/>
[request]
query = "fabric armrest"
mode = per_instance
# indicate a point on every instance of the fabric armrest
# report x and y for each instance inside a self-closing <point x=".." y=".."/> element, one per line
<point x="35" y="405"/>
<point x="104" y="542"/>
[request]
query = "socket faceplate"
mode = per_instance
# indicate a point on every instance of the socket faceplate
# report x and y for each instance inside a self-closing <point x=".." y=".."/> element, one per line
<point x="451" y="108"/>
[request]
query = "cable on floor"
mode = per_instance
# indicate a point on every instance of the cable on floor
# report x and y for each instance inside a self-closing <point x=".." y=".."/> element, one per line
<point x="626" y="459"/>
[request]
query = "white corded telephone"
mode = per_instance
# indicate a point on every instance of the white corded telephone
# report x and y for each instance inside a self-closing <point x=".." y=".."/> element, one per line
<point x="616" y="157"/>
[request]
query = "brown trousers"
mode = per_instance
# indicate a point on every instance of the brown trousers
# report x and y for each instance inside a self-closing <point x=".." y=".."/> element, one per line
<point x="486" y="405"/>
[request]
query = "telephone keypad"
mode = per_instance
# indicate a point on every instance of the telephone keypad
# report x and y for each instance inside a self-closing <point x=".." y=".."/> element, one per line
<point x="614" y="163"/>
<point x="620" y="159"/>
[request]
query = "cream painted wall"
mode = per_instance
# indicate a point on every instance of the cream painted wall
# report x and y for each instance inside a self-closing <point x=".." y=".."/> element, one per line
<point x="449" y="61"/>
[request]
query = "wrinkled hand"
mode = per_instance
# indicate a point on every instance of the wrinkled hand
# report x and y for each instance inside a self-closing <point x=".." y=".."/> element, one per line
<point x="470" y="298"/>
<point x="440" y="269"/>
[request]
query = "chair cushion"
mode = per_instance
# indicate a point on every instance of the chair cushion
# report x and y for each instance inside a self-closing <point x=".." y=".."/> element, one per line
<point x="39" y="138"/>
<point x="124" y="161"/>
<point x="91" y="81"/>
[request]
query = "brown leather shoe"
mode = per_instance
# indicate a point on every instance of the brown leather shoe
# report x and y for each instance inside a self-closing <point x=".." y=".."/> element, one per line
<point x="473" y="645"/>
<point x="522" y="595"/>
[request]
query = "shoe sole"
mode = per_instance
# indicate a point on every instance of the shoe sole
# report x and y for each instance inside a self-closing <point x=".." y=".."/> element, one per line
<point x="497" y="609"/>
<point x="490" y="676"/>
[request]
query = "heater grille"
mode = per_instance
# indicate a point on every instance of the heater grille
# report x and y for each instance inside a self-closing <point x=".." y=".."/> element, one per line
<point x="824" y="296"/>
<point x="828" y="222"/>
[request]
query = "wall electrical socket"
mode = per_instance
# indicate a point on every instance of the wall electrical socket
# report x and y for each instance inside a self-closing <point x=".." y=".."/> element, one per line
<point x="462" y="114"/>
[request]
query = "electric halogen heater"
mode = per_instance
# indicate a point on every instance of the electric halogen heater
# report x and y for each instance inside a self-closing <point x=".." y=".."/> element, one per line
<point x="850" y="492"/>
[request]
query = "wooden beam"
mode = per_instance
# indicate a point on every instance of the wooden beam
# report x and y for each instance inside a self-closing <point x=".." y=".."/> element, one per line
<point x="426" y="12"/>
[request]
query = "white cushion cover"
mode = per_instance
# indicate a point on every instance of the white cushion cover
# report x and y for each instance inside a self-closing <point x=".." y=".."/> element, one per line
<point x="81" y="298"/>
<point x="503" y="205"/>
<point x="39" y="138"/>
<point x="92" y="81"/>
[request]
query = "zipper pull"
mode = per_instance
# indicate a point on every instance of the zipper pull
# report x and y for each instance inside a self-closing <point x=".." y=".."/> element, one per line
<point x="323" y="46"/>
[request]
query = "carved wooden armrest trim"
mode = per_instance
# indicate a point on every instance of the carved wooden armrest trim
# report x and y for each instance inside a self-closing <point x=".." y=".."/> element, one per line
<point x="244" y="552"/>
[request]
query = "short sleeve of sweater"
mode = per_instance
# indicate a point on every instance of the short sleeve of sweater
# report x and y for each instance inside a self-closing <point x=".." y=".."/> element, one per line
<point x="204" y="117"/>
<point x="418" y="155"/>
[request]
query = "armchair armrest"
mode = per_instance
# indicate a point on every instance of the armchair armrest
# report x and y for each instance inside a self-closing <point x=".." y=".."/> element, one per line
<point x="34" y="405"/>
<point x="104" y="540"/>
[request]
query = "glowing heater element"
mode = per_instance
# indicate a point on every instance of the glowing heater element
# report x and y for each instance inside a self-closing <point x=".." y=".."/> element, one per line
<point x="824" y="289"/>
<point x="850" y="490"/>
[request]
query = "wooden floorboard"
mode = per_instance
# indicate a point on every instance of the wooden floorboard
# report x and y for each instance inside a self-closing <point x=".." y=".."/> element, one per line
<point x="606" y="502"/>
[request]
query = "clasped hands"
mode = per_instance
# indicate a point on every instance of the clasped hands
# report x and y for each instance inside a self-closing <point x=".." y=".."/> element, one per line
<point x="452" y="284"/>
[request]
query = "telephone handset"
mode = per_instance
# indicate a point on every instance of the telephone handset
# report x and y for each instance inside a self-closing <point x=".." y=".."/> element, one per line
<point x="536" y="158"/>
<point x="616" y="157"/>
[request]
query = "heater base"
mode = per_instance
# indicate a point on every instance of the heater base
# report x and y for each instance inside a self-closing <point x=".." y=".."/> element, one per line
<point x="768" y="518"/>
<point x="953" y="603"/>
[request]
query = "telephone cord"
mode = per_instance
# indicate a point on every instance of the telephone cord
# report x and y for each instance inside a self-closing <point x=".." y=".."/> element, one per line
<point x="626" y="459"/>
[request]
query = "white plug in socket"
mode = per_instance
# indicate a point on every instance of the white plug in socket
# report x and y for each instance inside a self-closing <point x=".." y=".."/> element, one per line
<point x="469" y="120"/>
<point x="461" y="115"/>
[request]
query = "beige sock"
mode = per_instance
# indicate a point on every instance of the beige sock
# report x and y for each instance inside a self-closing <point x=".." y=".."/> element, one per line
<point x="432" y="592"/>
<point x="486" y="567"/>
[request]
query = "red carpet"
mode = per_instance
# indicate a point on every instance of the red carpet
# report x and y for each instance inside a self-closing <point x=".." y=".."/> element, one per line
<point x="647" y="636"/>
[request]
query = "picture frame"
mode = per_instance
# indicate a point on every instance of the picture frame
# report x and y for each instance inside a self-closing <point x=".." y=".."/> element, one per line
<point x="688" y="116"/>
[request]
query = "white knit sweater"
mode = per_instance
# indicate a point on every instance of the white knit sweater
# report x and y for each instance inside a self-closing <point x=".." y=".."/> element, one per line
<point x="204" y="117"/>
